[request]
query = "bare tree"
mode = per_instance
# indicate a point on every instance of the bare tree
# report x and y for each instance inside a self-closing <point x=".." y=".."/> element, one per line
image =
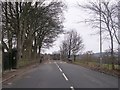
<point x="108" y="20"/>
<point x="76" y="44"/>
<point x="64" y="50"/>
<point x="72" y="44"/>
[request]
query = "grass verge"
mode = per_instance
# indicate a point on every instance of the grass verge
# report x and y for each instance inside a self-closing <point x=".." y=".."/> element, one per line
<point x="105" y="68"/>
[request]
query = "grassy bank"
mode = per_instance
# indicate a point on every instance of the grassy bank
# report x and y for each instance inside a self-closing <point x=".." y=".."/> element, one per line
<point x="26" y="62"/>
<point x="106" y="68"/>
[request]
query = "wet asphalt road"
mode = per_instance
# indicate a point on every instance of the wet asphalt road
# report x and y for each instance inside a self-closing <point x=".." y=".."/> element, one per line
<point x="59" y="74"/>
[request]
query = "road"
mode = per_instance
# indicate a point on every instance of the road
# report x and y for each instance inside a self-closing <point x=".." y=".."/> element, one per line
<point x="59" y="74"/>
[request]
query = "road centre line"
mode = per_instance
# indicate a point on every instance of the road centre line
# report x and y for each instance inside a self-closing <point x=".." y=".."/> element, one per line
<point x="60" y="69"/>
<point x="62" y="72"/>
<point x="57" y="65"/>
<point x="65" y="77"/>
<point x="72" y="88"/>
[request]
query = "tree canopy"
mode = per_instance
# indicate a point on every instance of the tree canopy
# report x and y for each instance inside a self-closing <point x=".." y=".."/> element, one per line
<point x="30" y="26"/>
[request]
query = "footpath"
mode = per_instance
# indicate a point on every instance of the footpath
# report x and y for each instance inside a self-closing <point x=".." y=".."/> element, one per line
<point x="9" y="74"/>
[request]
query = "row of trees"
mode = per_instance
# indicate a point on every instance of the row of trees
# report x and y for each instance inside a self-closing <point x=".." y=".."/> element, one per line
<point x="106" y="12"/>
<point x="30" y="26"/>
<point x="71" y="45"/>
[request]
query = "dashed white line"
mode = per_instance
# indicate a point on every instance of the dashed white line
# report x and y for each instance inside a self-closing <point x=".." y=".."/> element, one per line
<point x="62" y="72"/>
<point x="65" y="77"/>
<point x="9" y="83"/>
<point x="72" y="87"/>
<point x="57" y="65"/>
<point x="60" y="69"/>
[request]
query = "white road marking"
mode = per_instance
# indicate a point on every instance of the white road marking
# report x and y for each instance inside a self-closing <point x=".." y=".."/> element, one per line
<point x="9" y="83"/>
<point x="72" y="87"/>
<point x="60" y="69"/>
<point x="57" y="65"/>
<point x="65" y="77"/>
<point x="8" y="78"/>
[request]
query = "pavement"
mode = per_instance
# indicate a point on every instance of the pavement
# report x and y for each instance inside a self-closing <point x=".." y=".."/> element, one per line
<point x="59" y="74"/>
<point x="8" y="74"/>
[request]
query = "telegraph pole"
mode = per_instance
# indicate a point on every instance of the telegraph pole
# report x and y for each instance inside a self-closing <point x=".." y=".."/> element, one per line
<point x="100" y="36"/>
<point x="119" y="39"/>
<point x="119" y="34"/>
<point x="1" y="67"/>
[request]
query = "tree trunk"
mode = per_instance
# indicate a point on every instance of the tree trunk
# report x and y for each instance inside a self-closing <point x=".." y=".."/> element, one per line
<point x="112" y="46"/>
<point x="18" y="35"/>
<point x="69" y="53"/>
<point x="35" y="48"/>
<point x="39" y="49"/>
<point x="2" y="52"/>
<point x="74" y="58"/>
<point x="112" y="53"/>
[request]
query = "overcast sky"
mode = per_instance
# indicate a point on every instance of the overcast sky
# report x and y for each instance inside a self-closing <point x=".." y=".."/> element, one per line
<point x="73" y="16"/>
